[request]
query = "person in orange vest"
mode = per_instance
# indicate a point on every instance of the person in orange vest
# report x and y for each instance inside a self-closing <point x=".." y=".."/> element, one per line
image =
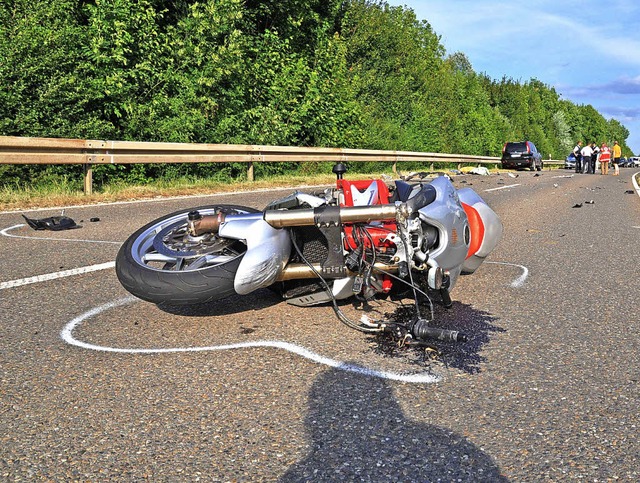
<point x="605" y="157"/>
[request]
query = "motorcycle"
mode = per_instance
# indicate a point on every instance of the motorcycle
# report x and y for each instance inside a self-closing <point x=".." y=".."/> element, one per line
<point x="362" y="239"/>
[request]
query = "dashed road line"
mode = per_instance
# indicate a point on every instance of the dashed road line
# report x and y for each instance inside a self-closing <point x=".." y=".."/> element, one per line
<point x="52" y="276"/>
<point x="503" y="187"/>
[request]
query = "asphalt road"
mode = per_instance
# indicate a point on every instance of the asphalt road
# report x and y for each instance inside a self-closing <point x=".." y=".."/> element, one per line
<point x="97" y="386"/>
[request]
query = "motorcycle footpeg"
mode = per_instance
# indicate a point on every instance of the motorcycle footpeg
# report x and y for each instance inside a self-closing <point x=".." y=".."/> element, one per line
<point x="446" y="298"/>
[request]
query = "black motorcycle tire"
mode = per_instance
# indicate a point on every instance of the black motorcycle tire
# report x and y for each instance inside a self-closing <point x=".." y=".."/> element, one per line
<point x="181" y="287"/>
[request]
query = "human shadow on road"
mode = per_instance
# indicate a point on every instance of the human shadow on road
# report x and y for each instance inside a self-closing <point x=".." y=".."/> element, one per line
<point x="359" y="433"/>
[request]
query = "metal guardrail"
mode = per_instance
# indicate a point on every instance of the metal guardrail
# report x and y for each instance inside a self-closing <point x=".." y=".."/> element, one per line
<point x="25" y="150"/>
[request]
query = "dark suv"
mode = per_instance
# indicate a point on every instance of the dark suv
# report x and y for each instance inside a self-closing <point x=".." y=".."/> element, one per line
<point x="522" y="154"/>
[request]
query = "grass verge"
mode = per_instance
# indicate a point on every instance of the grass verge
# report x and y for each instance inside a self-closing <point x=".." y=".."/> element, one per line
<point x="34" y="197"/>
<point x="66" y="193"/>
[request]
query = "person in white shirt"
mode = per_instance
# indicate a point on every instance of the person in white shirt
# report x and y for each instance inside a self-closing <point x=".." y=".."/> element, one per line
<point x="586" y="153"/>
<point x="595" y="152"/>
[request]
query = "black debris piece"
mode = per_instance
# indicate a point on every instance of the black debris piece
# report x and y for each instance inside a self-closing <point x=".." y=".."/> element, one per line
<point x="590" y="202"/>
<point x="53" y="223"/>
<point x="94" y="219"/>
<point x="578" y="205"/>
<point x="629" y="192"/>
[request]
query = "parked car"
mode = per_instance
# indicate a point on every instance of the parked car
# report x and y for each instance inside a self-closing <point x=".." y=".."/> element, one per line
<point x="570" y="162"/>
<point x="522" y="154"/>
<point x="633" y="162"/>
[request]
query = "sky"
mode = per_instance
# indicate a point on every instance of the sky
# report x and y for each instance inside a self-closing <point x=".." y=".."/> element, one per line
<point x="588" y="50"/>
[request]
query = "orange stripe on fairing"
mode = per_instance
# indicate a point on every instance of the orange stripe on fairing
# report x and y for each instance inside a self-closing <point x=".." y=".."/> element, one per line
<point x="476" y="226"/>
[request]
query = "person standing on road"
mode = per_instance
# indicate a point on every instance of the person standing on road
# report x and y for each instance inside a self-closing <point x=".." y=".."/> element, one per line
<point x="595" y="152"/>
<point x="617" y="154"/>
<point x="578" y="157"/>
<point x="605" y="157"/>
<point x="586" y="153"/>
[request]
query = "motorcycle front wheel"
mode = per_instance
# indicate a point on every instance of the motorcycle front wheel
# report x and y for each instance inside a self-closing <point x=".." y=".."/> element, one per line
<point x="162" y="263"/>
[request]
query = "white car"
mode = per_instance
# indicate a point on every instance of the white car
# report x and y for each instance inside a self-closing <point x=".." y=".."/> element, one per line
<point x="634" y="162"/>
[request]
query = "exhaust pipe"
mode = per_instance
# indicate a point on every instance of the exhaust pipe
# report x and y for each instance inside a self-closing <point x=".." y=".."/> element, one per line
<point x="325" y="215"/>
<point x="297" y="271"/>
<point x="334" y="215"/>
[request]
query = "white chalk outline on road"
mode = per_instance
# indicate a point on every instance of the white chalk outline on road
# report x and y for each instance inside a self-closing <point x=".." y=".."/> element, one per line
<point x="518" y="282"/>
<point x="503" y="187"/>
<point x="5" y="232"/>
<point x="54" y="275"/>
<point x="67" y="336"/>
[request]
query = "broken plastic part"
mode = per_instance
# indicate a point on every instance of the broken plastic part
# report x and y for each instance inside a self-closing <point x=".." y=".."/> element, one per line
<point x="53" y="223"/>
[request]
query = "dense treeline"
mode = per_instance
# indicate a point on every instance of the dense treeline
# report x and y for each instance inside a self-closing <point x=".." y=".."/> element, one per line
<point x="353" y="73"/>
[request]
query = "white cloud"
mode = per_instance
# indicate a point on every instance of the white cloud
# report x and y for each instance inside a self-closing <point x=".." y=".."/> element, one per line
<point x="588" y="49"/>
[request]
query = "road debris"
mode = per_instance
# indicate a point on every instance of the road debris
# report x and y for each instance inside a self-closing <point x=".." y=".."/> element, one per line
<point x="53" y="223"/>
<point x="481" y="170"/>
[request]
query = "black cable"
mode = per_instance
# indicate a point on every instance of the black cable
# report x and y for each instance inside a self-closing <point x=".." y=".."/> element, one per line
<point x="413" y="286"/>
<point x="373" y="248"/>
<point x="405" y="244"/>
<point x="343" y="318"/>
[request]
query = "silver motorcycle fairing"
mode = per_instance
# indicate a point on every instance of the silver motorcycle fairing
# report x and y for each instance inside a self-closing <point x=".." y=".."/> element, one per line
<point x="491" y="233"/>
<point x="268" y="250"/>
<point x="447" y="215"/>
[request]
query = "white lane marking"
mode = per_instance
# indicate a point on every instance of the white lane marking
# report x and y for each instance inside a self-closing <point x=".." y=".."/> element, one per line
<point x="503" y="187"/>
<point x="518" y="282"/>
<point x="5" y="232"/>
<point x="636" y="186"/>
<point x="52" y="276"/>
<point x="67" y="336"/>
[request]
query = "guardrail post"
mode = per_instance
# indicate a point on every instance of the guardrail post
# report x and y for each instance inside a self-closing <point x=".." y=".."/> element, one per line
<point x="250" y="171"/>
<point x="394" y="168"/>
<point x="88" y="178"/>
